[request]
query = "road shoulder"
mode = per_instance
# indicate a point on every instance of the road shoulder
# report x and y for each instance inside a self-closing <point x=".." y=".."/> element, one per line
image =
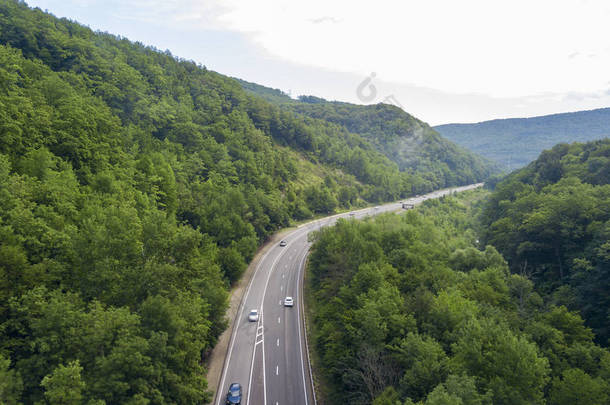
<point x="215" y="362"/>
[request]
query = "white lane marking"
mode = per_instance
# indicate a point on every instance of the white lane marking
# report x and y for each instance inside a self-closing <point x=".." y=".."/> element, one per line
<point x="277" y="370"/>
<point x="262" y="313"/>
<point x="264" y="378"/>
<point x="281" y="288"/>
<point x="262" y="309"/>
<point x="234" y="333"/>
<point x="278" y="320"/>
<point x="251" y="370"/>
<point x="278" y="342"/>
<point x="280" y="303"/>
<point x="306" y="227"/>
<point x="283" y="275"/>
<point x="299" y="299"/>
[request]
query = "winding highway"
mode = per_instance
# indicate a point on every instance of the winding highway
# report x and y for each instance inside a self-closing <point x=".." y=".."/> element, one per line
<point x="269" y="358"/>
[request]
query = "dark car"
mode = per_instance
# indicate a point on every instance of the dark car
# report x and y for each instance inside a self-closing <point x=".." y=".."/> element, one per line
<point x="234" y="394"/>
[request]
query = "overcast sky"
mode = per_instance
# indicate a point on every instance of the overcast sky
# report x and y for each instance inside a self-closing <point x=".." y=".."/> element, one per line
<point x="441" y="60"/>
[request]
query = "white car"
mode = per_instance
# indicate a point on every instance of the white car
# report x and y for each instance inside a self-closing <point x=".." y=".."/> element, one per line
<point x="253" y="315"/>
<point x="288" y="302"/>
<point x="283" y="243"/>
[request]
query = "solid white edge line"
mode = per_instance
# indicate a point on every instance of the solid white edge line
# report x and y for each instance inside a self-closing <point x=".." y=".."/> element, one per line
<point x="305" y="225"/>
<point x="302" y="307"/>
<point x="251" y="369"/>
<point x="235" y="326"/>
<point x="264" y="379"/>
<point x="262" y="304"/>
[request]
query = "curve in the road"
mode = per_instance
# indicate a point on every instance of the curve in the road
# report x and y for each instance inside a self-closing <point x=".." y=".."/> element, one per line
<point x="262" y="356"/>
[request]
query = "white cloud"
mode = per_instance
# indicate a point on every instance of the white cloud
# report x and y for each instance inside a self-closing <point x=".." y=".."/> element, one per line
<point x="499" y="48"/>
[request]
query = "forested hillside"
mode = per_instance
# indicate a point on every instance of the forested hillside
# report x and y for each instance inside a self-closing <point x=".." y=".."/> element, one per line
<point x="551" y="221"/>
<point x="515" y="142"/>
<point x="412" y="309"/>
<point x="134" y="188"/>
<point x="410" y="143"/>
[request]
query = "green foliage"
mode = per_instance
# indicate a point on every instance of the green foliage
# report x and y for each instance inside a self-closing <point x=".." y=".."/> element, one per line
<point x="134" y="189"/>
<point x="412" y="309"/>
<point x="577" y="387"/>
<point x="509" y="365"/>
<point x="503" y="140"/>
<point x="64" y="386"/>
<point x="551" y="220"/>
<point x="11" y="384"/>
<point x="426" y="160"/>
<point x="458" y="390"/>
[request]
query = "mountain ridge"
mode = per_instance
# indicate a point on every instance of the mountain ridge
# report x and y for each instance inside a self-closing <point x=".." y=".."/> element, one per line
<point x="502" y="140"/>
<point x="409" y="142"/>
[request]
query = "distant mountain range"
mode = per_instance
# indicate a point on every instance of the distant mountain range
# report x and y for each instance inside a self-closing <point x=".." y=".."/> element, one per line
<point x="514" y="142"/>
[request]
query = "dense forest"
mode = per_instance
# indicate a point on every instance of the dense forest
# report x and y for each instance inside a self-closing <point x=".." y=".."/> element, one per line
<point x="413" y="308"/>
<point x="134" y="189"/>
<point x="503" y="140"/>
<point x="410" y="143"/>
<point x="551" y="221"/>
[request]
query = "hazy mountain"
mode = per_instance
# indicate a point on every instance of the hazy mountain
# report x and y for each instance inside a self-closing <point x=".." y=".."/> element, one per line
<point x="411" y="143"/>
<point x="514" y="142"/>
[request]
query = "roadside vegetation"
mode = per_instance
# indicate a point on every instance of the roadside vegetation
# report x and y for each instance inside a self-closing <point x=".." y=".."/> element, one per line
<point x="551" y="221"/>
<point x="134" y="189"/>
<point x="413" y="308"/>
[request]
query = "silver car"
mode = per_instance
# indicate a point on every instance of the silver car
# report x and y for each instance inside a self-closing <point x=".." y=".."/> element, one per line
<point x="288" y="302"/>
<point x="253" y="315"/>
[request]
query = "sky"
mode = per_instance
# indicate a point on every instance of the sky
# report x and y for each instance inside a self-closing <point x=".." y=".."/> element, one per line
<point x="441" y="60"/>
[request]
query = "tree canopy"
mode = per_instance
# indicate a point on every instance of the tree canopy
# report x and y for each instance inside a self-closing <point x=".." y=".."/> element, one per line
<point x="134" y="189"/>
<point x="551" y="221"/>
<point x="414" y="309"/>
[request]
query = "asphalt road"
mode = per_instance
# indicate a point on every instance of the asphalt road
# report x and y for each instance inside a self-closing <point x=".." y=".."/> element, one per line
<point x="269" y="358"/>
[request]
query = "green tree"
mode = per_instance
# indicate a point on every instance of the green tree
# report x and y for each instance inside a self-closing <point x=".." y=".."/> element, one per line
<point x="577" y="387"/>
<point x="64" y="386"/>
<point x="10" y="383"/>
<point x="507" y="364"/>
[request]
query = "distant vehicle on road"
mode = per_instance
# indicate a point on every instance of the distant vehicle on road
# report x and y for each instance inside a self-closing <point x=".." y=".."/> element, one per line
<point x="234" y="394"/>
<point x="253" y="315"/>
<point x="283" y="243"/>
<point x="407" y="206"/>
<point x="288" y="302"/>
